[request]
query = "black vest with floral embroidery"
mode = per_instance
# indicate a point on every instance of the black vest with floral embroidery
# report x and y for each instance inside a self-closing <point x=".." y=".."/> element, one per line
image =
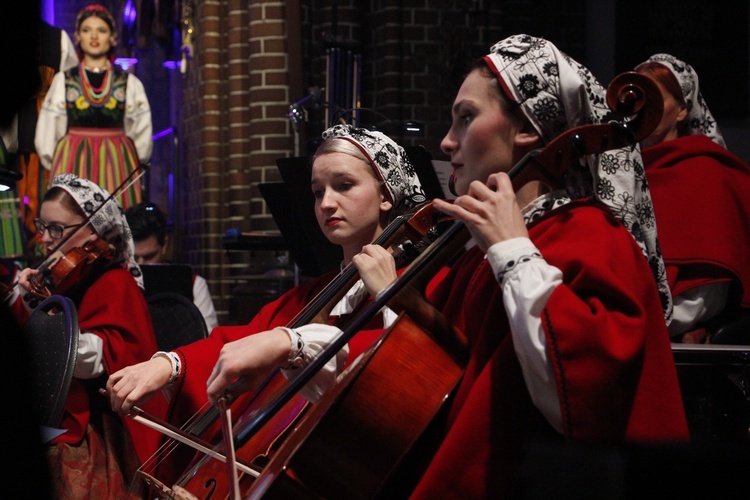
<point x="95" y="107"/>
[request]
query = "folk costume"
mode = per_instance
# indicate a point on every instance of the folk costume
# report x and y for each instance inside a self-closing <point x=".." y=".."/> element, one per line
<point x="567" y="330"/>
<point x="193" y="363"/>
<point x="697" y="183"/>
<point x="100" y="451"/>
<point x="96" y="126"/>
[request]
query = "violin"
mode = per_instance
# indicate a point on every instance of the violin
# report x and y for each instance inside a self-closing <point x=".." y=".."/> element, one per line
<point x="63" y="271"/>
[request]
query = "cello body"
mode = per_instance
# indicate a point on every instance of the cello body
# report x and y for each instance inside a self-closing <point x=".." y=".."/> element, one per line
<point x="377" y="411"/>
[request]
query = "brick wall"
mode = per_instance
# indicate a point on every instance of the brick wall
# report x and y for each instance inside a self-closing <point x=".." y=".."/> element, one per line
<point x="239" y="86"/>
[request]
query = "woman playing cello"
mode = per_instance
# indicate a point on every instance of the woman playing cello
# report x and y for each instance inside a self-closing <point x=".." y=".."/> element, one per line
<point x="360" y="179"/>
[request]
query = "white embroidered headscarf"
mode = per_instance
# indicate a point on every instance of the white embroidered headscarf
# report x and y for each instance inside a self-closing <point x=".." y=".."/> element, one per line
<point x="556" y="93"/>
<point x="390" y="162"/>
<point x="699" y="118"/>
<point x="109" y="222"/>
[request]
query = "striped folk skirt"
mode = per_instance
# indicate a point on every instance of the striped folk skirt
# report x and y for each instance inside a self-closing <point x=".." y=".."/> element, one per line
<point x="11" y="242"/>
<point x="105" y="156"/>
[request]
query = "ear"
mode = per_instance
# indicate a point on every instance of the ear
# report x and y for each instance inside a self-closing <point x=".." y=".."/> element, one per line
<point x="527" y="136"/>
<point x="385" y="205"/>
<point x="166" y="244"/>
<point x="682" y="114"/>
<point x="76" y="39"/>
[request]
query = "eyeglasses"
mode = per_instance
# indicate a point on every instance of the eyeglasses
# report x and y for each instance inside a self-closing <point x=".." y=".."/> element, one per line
<point x="55" y="230"/>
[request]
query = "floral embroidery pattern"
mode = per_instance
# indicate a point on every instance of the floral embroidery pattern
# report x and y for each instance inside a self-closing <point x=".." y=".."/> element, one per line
<point x="699" y="119"/>
<point x="108" y="222"/>
<point x="538" y="74"/>
<point x="390" y="161"/>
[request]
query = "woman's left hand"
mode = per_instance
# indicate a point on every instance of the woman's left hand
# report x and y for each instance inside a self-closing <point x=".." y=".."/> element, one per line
<point x="490" y="211"/>
<point x="376" y="267"/>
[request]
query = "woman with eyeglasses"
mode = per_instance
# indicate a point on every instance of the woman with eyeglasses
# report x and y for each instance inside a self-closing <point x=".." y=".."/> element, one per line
<point x="99" y="452"/>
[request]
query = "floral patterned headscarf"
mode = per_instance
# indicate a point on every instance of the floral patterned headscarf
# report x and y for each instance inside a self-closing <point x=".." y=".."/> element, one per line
<point x="389" y="161"/>
<point x="699" y="118"/>
<point x="109" y="222"/>
<point x="557" y="93"/>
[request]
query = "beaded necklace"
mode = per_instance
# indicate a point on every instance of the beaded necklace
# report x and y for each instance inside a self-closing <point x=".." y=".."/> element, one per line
<point x="96" y="95"/>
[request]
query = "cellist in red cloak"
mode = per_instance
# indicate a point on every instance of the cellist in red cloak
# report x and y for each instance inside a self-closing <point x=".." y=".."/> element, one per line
<point x="563" y="298"/>
<point x="701" y="205"/>
<point x="361" y="180"/>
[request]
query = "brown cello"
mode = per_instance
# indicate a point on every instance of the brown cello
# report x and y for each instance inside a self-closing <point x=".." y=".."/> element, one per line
<point x="206" y="476"/>
<point x="351" y="443"/>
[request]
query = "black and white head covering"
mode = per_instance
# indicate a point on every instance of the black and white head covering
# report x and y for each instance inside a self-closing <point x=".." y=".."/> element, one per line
<point x="556" y="93"/>
<point x="389" y="161"/>
<point x="109" y="222"/>
<point x="699" y="118"/>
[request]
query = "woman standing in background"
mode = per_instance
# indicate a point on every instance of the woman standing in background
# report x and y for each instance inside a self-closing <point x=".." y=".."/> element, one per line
<point x="96" y="121"/>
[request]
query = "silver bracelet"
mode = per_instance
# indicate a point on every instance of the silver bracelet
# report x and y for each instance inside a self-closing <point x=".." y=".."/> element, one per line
<point x="297" y="352"/>
<point x="174" y="359"/>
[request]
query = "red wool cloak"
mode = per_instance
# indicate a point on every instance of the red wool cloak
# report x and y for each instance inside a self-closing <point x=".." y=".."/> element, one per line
<point x="115" y="309"/>
<point x="607" y="342"/>
<point x="702" y="208"/>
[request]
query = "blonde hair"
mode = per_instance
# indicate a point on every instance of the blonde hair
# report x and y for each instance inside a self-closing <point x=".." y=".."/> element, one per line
<point x="340" y="145"/>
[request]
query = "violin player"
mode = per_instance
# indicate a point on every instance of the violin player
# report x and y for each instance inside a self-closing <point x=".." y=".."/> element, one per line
<point x="360" y="180"/>
<point x="693" y="177"/>
<point x="99" y="452"/>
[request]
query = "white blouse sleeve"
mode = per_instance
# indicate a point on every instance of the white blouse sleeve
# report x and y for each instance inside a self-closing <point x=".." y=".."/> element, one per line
<point x="695" y="306"/>
<point x="202" y="300"/>
<point x="68" y="56"/>
<point x="527" y="281"/>
<point x="90" y="354"/>
<point x="317" y="337"/>
<point x="138" y="118"/>
<point x="52" y="124"/>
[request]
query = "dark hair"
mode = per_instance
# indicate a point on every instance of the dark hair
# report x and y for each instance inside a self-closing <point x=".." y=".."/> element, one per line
<point x="59" y="194"/>
<point x="509" y="107"/>
<point x="664" y="77"/>
<point x="145" y="220"/>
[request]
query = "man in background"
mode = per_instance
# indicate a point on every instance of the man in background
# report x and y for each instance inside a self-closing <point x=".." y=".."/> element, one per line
<point x="149" y="226"/>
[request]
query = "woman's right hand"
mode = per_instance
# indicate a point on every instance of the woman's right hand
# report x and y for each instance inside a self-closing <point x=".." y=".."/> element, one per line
<point x="136" y="384"/>
<point x="245" y="363"/>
